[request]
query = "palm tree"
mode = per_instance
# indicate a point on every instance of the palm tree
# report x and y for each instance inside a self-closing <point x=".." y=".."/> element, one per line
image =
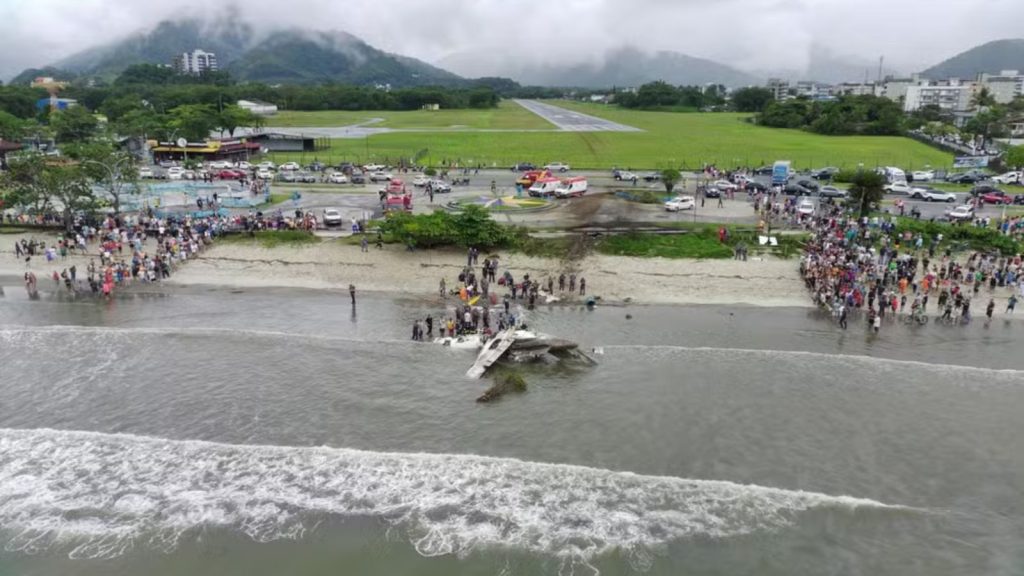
<point x="867" y="188"/>
<point x="983" y="98"/>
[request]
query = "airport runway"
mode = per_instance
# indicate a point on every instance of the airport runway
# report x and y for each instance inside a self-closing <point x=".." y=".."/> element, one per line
<point x="570" y="121"/>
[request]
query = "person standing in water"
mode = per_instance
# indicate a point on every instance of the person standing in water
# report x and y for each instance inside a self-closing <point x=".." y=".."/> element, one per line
<point x="352" y="293"/>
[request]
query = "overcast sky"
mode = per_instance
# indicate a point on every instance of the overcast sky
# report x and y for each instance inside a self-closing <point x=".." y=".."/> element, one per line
<point x="475" y="35"/>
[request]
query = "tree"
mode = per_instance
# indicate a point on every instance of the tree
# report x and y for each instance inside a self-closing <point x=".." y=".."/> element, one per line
<point x="233" y="117"/>
<point x="118" y="170"/>
<point x="23" y="181"/>
<point x="670" y="177"/>
<point x="142" y="123"/>
<point x="983" y="98"/>
<point x="866" y="188"/>
<point x="752" y="99"/>
<point x="193" y="121"/>
<point x="69" y="187"/>
<point x="11" y="127"/>
<point x="1015" y="157"/>
<point x="74" y="124"/>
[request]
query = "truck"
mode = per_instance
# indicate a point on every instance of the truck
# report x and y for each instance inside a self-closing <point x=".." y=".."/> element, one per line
<point x="780" y="172"/>
<point x="572" y="187"/>
<point x="531" y="176"/>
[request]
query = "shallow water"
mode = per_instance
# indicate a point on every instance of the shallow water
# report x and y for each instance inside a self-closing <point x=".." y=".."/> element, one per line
<point x="268" y="432"/>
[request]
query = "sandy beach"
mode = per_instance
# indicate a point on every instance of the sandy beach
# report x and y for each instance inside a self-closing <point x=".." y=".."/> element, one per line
<point x="333" y="266"/>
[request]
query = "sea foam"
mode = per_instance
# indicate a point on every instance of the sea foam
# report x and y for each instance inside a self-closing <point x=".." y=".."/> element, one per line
<point x="99" y="495"/>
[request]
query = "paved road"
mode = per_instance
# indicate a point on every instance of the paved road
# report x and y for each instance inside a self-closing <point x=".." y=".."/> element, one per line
<point x="570" y="121"/>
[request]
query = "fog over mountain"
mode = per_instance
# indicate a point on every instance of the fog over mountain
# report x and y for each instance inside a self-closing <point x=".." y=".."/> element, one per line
<point x="753" y="36"/>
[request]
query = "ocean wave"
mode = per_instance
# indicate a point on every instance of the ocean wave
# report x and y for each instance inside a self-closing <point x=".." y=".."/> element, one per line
<point x="16" y="334"/>
<point x="99" y="495"/>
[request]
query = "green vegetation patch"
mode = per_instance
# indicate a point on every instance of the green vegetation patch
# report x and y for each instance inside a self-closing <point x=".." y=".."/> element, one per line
<point x="274" y="238"/>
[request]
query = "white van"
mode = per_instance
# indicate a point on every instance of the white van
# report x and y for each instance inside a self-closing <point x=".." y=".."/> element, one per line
<point x="571" y="187"/>
<point x="893" y="174"/>
<point x="544" y="187"/>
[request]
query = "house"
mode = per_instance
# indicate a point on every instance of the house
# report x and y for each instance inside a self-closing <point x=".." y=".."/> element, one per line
<point x="5" y="147"/>
<point x="258" y="107"/>
<point x="432" y="107"/>
<point x="276" y="142"/>
<point x="237" y="149"/>
<point x="55" y="103"/>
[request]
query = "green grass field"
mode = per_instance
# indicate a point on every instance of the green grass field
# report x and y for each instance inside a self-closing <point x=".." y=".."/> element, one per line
<point x="669" y="139"/>
<point x="507" y="116"/>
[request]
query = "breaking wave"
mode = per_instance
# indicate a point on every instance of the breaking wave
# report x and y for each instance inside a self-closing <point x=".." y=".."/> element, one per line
<point x="99" y="495"/>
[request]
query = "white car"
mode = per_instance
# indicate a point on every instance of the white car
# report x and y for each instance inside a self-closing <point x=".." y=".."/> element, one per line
<point x="220" y="165"/>
<point x="626" y="176"/>
<point x="175" y="173"/>
<point x="289" y="166"/>
<point x="332" y="217"/>
<point x="146" y="172"/>
<point x="420" y="181"/>
<point x="724" y="185"/>
<point x="374" y="167"/>
<point x="243" y="165"/>
<point x="923" y="175"/>
<point x="265" y="165"/>
<point x="806" y="207"/>
<point x="902" y="188"/>
<point x="264" y="174"/>
<point x="932" y="195"/>
<point x="965" y="212"/>
<point x="337" y="178"/>
<point x="680" y="203"/>
<point x="557" y="167"/>
<point x="380" y="176"/>
<point x="1008" y="178"/>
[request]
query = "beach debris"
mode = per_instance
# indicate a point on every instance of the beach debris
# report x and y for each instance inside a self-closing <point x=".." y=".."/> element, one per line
<point x="504" y="383"/>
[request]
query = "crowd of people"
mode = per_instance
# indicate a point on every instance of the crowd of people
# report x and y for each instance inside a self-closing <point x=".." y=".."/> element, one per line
<point x="488" y="302"/>
<point x="866" y="264"/>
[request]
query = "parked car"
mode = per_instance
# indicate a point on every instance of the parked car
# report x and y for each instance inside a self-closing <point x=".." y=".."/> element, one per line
<point x="374" y="167"/>
<point x="219" y="165"/>
<point x="332" y="217"/>
<point x="265" y="165"/>
<point x="243" y="165"/>
<point x="1008" y="178"/>
<point x="358" y="178"/>
<point x="337" y="178"/>
<point x="289" y="166"/>
<point x="652" y="177"/>
<point x="964" y="212"/>
<point x="230" y="175"/>
<point x="680" y="203"/>
<point x="762" y="171"/>
<point x="1018" y="200"/>
<point x="932" y="195"/>
<point x="572" y="187"/>
<point x="316" y="166"/>
<point x="754" y="186"/>
<point x="626" y="176"/>
<point x="832" y="192"/>
<point x="287" y="176"/>
<point x="264" y="174"/>
<point x="175" y="173"/>
<point x="724" y="185"/>
<point x="796" y="190"/>
<point x="557" y="167"/>
<point x="805" y="207"/>
<point x="146" y="172"/>
<point x="996" y="197"/>
<point x="306" y="177"/>
<point x="923" y="175"/>
<point x="523" y="166"/>
<point x="420" y="180"/>
<point x="439" y="186"/>
<point x="712" y="192"/>
<point x="825" y="173"/>
<point x="809" y="184"/>
<point x="380" y="176"/>
<point x="965" y="178"/>
<point x="901" y="188"/>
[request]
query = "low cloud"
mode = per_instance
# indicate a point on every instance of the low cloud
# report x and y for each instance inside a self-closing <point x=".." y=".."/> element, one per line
<point x="487" y="36"/>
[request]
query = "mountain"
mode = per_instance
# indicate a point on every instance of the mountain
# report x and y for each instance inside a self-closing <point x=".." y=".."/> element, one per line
<point x="625" y="66"/>
<point x="30" y="74"/>
<point x="284" y="56"/>
<point x="832" y="68"/>
<point x="227" y="37"/>
<point x="301" y="57"/>
<point x="992" y="57"/>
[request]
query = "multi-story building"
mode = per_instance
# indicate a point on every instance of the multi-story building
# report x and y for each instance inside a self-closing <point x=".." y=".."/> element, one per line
<point x="857" y="89"/>
<point x="779" y="88"/>
<point x="951" y="95"/>
<point x="1004" y="86"/>
<point x="195" y="62"/>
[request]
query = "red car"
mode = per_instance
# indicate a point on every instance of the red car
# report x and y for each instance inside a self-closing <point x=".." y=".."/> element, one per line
<point x="230" y="175"/>
<point x="996" y="197"/>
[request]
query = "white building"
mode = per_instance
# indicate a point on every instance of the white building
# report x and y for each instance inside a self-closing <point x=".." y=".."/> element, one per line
<point x="954" y="96"/>
<point x="258" y="108"/>
<point x="195" y="62"/>
<point x="1004" y="86"/>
